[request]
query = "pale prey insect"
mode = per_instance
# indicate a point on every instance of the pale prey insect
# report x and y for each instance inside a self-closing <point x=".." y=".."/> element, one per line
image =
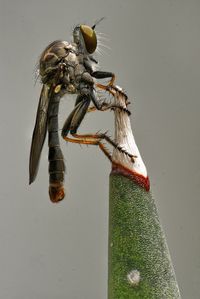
<point x="67" y="68"/>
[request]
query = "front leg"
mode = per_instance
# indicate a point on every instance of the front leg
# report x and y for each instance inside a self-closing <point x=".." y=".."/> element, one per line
<point x="86" y="86"/>
<point x="104" y="75"/>
<point x="110" y="87"/>
<point x="103" y="106"/>
<point x="98" y="74"/>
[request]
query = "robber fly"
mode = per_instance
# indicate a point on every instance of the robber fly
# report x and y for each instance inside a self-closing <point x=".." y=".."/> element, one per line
<point x="67" y="68"/>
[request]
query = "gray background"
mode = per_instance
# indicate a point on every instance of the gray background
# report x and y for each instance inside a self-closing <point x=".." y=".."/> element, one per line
<point x="60" y="251"/>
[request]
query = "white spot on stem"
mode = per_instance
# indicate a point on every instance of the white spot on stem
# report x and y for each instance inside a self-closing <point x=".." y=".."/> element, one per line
<point x="133" y="277"/>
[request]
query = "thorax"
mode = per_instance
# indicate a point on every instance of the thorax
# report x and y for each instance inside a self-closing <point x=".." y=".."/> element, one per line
<point x="61" y="52"/>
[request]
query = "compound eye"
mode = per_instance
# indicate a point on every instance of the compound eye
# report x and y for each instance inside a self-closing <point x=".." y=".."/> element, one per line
<point x="89" y="37"/>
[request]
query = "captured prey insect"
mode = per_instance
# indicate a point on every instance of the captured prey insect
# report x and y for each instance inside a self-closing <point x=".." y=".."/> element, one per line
<point x="68" y="68"/>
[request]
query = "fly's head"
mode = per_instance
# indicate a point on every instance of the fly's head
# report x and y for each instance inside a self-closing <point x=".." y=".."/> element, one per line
<point x="85" y="37"/>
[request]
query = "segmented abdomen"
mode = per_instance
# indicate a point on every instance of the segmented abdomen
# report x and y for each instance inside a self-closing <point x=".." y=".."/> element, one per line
<point x="56" y="161"/>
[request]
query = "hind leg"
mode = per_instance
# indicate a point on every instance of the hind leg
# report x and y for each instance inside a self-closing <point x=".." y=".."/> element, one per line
<point x="76" y="116"/>
<point x="73" y="122"/>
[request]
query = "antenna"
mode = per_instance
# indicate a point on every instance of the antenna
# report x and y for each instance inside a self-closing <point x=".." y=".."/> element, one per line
<point x="97" y="22"/>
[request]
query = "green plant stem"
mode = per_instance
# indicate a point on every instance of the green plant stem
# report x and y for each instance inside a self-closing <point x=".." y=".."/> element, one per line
<point x="137" y="245"/>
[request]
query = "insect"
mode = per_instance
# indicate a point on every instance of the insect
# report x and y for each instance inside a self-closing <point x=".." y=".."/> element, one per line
<point x="67" y="68"/>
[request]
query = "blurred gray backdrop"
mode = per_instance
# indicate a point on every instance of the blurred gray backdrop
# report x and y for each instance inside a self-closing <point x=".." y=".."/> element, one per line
<point x="59" y="251"/>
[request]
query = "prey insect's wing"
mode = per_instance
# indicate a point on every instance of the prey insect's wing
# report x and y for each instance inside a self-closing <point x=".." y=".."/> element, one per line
<point x="39" y="133"/>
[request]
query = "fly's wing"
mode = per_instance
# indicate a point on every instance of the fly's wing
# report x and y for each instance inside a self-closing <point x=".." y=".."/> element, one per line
<point x="39" y="133"/>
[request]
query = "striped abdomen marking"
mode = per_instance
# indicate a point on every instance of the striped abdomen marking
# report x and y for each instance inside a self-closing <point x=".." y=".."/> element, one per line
<point x="56" y="162"/>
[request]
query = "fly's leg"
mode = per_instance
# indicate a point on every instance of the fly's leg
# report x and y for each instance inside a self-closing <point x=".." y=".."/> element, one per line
<point x="103" y="106"/>
<point x="110" y="87"/>
<point x="103" y="136"/>
<point x="75" y="118"/>
<point x="114" y="89"/>
<point x="88" y="87"/>
<point x="106" y="107"/>
<point x="73" y="122"/>
<point x="90" y="141"/>
<point x="95" y="139"/>
<point x="104" y="75"/>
